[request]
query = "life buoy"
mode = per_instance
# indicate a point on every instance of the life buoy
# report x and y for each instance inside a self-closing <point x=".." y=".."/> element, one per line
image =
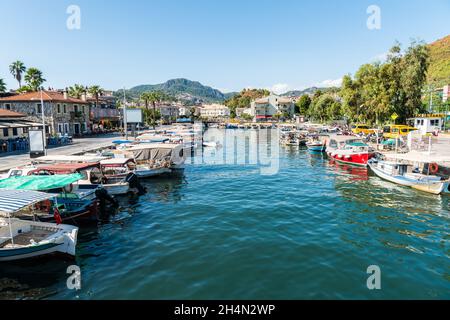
<point x="433" y="168"/>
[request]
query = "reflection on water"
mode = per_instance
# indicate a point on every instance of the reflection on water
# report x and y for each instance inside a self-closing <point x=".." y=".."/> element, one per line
<point x="223" y="231"/>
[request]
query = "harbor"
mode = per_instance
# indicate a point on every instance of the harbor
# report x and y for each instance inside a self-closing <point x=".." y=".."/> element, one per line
<point x="334" y="216"/>
<point x="224" y="159"/>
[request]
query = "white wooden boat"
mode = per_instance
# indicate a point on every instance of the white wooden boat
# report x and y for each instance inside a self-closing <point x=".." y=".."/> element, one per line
<point x="156" y="159"/>
<point x="21" y="239"/>
<point x="405" y="175"/>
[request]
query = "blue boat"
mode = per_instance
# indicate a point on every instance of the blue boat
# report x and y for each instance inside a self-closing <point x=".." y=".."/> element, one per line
<point x="316" y="146"/>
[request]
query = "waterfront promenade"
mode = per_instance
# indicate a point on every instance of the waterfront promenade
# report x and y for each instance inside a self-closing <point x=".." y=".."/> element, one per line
<point x="78" y="146"/>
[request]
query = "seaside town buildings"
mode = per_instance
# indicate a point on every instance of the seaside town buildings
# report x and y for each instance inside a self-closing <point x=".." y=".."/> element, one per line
<point x="65" y="115"/>
<point x="214" y="111"/>
<point x="266" y="108"/>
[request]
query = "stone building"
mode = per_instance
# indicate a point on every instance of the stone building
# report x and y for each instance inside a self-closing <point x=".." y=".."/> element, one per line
<point x="64" y="114"/>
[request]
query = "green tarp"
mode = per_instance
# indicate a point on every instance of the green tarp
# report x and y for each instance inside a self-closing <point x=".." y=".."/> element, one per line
<point x="40" y="183"/>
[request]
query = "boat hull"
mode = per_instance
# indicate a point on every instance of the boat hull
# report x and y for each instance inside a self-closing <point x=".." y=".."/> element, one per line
<point x="148" y="173"/>
<point x="355" y="159"/>
<point x="395" y="179"/>
<point x="316" y="148"/>
<point x="434" y="188"/>
<point x="63" y="242"/>
<point x="118" y="188"/>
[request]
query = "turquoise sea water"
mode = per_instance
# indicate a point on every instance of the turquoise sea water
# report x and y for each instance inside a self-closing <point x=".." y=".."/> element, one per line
<point x="224" y="231"/>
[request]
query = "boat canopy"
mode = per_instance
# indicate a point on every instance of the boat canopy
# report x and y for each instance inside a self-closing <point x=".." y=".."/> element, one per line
<point x="40" y="183"/>
<point x="14" y="200"/>
<point x="68" y="168"/>
<point x="160" y="151"/>
<point x="115" y="162"/>
<point x="58" y="158"/>
<point x="152" y="138"/>
<point x="122" y="141"/>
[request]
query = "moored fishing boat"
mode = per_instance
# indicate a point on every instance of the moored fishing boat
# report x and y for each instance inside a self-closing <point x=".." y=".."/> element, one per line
<point x="71" y="206"/>
<point x="410" y="176"/>
<point x="155" y="159"/>
<point x="349" y="150"/>
<point x="316" y="144"/>
<point x="21" y="239"/>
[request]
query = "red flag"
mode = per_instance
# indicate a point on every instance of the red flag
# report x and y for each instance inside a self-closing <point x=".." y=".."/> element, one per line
<point x="57" y="216"/>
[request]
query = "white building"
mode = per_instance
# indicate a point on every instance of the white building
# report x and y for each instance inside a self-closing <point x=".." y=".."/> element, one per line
<point x="428" y="123"/>
<point x="186" y="111"/>
<point x="265" y="108"/>
<point x="214" y="111"/>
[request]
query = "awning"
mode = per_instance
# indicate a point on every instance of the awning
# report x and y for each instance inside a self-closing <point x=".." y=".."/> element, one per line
<point x="14" y="200"/>
<point x="40" y="183"/>
<point x="58" y="158"/>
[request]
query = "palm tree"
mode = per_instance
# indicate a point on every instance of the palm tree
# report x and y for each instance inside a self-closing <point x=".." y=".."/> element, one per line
<point x="2" y="86"/>
<point x="76" y="91"/>
<point x="154" y="98"/>
<point x="145" y="97"/>
<point x="17" y="68"/>
<point x="34" y="79"/>
<point x="96" y="91"/>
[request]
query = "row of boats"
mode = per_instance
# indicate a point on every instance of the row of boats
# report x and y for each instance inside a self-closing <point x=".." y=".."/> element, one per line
<point x="43" y="204"/>
<point x="352" y="150"/>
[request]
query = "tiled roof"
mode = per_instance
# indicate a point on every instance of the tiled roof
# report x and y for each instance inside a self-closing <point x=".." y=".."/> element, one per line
<point x="47" y="96"/>
<point x="10" y="114"/>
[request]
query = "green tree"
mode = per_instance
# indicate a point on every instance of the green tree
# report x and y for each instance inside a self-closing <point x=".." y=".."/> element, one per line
<point x="153" y="98"/>
<point x="415" y="65"/>
<point x="380" y="89"/>
<point x="76" y="91"/>
<point x="34" y="79"/>
<point x="303" y="104"/>
<point x="324" y="107"/>
<point x="96" y="92"/>
<point x="244" y="99"/>
<point x="2" y="86"/>
<point x="17" y="68"/>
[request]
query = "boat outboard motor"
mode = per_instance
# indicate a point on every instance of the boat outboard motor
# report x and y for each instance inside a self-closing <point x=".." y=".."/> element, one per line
<point x="103" y="195"/>
<point x="134" y="183"/>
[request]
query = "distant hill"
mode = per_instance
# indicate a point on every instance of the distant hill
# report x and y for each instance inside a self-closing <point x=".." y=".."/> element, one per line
<point x="439" y="70"/>
<point x="312" y="90"/>
<point x="184" y="90"/>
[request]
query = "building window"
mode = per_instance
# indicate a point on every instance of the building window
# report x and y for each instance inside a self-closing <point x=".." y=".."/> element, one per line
<point x="15" y="132"/>
<point x="83" y="109"/>
<point x="60" y="128"/>
<point x="65" y="108"/>
<point x="58" y="107"/>
<point x="8" y="106"/>
<point x="5" y="132"/>
<point x="75" y="108"/>
<point x="39" y="108"/>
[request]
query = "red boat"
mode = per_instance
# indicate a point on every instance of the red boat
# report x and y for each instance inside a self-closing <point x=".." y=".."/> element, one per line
<point x="349" y="150"/>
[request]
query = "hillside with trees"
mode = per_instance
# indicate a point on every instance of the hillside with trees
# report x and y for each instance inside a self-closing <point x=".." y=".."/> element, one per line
<point x="439" y="70"/>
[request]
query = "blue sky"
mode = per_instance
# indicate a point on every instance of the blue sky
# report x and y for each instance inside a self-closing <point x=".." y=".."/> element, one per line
<point x="227" y="44"/>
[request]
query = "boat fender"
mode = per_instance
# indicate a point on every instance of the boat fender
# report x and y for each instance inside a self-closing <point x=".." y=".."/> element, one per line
<point x="433" y="168"/>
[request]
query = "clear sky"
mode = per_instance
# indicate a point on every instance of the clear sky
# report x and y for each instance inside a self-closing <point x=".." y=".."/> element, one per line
<point x="227" y="44"/>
